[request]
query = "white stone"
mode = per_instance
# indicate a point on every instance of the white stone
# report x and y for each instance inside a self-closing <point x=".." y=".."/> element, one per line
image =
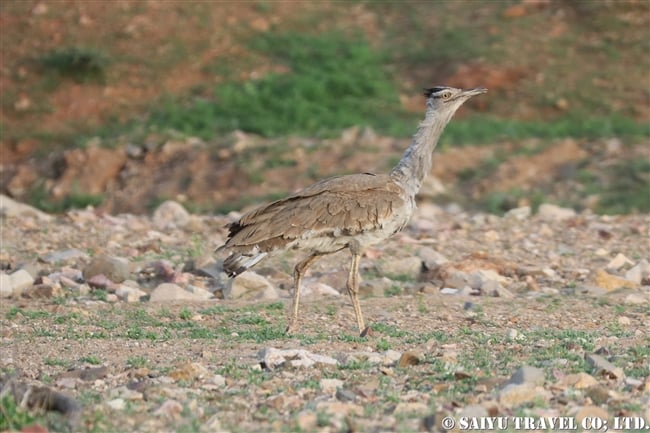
<point x="5" y="285"/>
<point x="129" y="294"/>
<point x="13" y="209"/>
<point x="520" y="213"/>
<point x="551" y="212"/>
<point x="249" y="285"/>
<point x="317" y="289"/>
<point x="171" y="292"/>
<point x="638" y="272"/>
<point x="618" y="262"/>
<point x="170" y="214"/>
<point x="116" y="404"/>
<point x="20" y="281"/>
<point x="329" y="386"/>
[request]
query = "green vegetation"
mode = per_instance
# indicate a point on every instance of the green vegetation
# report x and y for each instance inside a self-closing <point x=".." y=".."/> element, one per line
<point x="333" y="82"/>
<point x="78" y="63"/>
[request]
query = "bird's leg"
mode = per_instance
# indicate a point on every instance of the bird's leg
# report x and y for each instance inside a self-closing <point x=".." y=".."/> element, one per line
<point x="353" y="286"/>
<point x="298" y="273"/>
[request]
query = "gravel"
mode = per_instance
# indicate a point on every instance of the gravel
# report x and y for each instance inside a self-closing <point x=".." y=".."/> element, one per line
<point x="133" y="320"/>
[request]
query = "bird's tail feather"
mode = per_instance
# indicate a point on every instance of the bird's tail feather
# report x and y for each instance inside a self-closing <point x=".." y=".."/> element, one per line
<point x="237" y="263"/>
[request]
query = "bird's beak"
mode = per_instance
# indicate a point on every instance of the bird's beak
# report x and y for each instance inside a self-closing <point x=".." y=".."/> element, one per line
<point x="474" y="92"/>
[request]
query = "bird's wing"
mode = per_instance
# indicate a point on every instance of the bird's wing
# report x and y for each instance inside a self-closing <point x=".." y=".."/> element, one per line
<point x="345" y="204"/>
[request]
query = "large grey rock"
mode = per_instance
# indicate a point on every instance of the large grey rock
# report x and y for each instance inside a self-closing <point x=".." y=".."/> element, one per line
<point x="166" y="292"/>
<point x="5" y="285"/>
<point x="21" y="280"/>
<point x="114" y="268"/>
<point x="12" y="209"/>
<point x="527" y="374"/>
<point x="249" y="285"/>
<point x="431" y="258"/>
<point x="601" y="366"/>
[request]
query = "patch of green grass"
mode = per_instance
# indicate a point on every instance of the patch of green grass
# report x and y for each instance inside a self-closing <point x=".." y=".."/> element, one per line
<point x="81" y="64"/>
<point x="91" y="359"/>
<point x="484" y="129"/>
<point x="334" y="81"/>
<point x="136" y="361"/>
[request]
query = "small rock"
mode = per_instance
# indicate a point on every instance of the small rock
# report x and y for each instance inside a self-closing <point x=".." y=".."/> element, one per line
<point x="551" y="212"/>
<point x="624" y="321"/>
<point x="405" y="268"/>
<point x="618" y="262"/>
<point x="376" y="287"/>
<point x="601" y="366"/>
<point x="170" y="409"/>
<point x="116" y="404"/>
<point x="448" y="291"/>
<point x="431" y="258"/>
<point x="345" y="395"/>
<point x="5" y="285"/>
<point x="635" y="299"/>
<point x="249" y="285"/>
<point x="512" y="334"/>
<point x="200" y="292"/>
<point x="639" y="273"/>
<point x="580" y="380"/>
<point x="474" y="411"/>
<point x="307" y="421"/>
<point x="189" y="371"/>
<point x="513" y="395"/>
<point x="312" y="288"/>
<point x="390" y="357"/>
<point x="272" y="358"/>
<point x="610" y="282"/>
<point x="21" y="280"/>
<point x="114" y="268"/>
<point x="407" y="359"/>
<point x="339" y="409"/>
<point x="520" y="213"/>
<point x="166" y="292"/>
<point x="590" y="412"/>
<point x="494" y="288"/>
<point x="63" y="256"/>
<point x="329" y="386"/>
<point x="598" y="394"/>
<point x="405" y="408"/>
<point x="10" y="208"/>
<point x="527" y="374"/>
<point x="129" y="294"/>
<point x="170" y="214"/>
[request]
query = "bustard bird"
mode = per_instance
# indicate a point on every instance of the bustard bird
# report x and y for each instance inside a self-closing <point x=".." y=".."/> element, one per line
<point x="353" y="211"/>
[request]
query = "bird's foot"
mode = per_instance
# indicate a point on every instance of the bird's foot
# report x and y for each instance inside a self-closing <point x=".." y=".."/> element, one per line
<point x="291" y="328"/>
<point x="366" y="332"/>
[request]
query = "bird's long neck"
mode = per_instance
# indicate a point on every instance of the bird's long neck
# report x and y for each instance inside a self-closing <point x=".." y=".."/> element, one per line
<point x="416" y="162"/>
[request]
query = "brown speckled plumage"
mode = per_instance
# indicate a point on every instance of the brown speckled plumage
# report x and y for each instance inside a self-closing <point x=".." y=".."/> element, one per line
<point x="353" y="211"/>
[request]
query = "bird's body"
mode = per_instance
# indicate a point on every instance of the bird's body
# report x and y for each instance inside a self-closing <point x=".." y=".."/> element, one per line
<point x="353" y="211"/>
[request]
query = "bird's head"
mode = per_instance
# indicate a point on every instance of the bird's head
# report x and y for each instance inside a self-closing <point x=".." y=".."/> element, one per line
<point x="449" y="98"/>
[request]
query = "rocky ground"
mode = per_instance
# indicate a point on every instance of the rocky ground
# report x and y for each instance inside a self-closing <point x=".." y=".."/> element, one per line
<point x="125" y="323"/>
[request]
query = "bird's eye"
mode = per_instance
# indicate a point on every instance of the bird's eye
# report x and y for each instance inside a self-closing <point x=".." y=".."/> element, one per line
<point x="446" y="95"/>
